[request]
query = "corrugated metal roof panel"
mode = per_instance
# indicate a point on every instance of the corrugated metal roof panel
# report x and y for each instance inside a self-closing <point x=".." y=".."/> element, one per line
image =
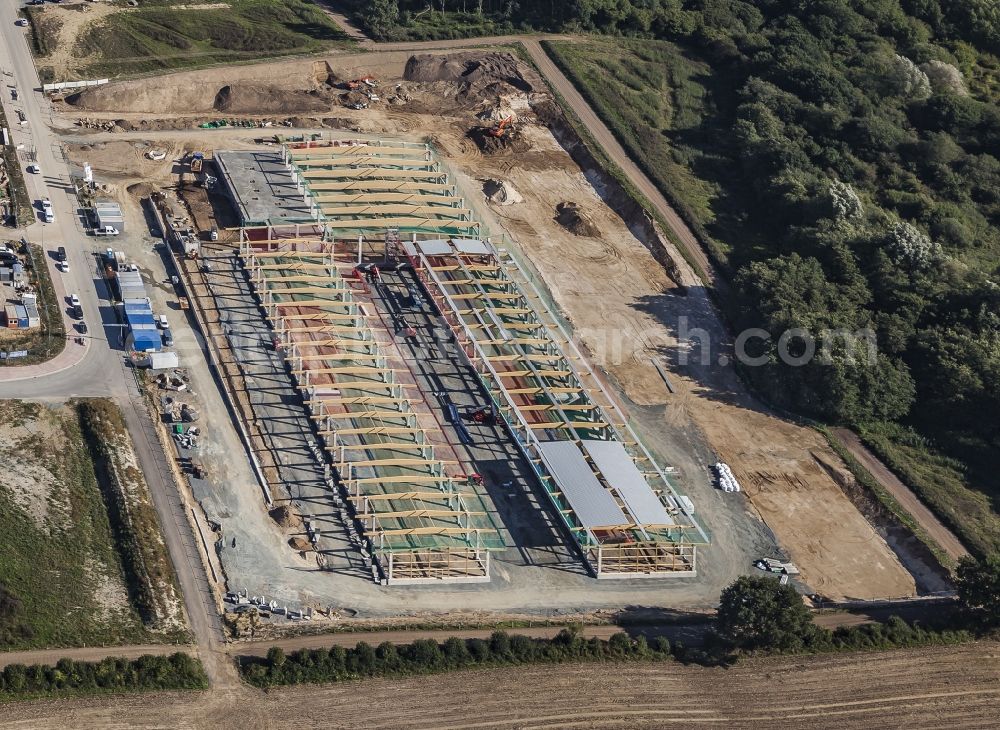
<point x="593" y="504"/>
<point x="625" y="478"/>
<point x="146" y="340"/>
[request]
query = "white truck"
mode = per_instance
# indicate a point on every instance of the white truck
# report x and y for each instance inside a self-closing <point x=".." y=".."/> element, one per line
<point x="47" y="214"/>
<point x="106" y="231"/>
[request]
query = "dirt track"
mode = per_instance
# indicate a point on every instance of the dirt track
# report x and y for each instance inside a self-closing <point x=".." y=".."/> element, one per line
<point x="927" y="688"/>
<point x="903" y="494"/>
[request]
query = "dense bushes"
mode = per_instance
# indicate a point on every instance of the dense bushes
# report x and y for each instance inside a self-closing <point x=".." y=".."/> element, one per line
<point x="113" y="674"/>
<point x="758" y="614"/>
<point x="426" y="656"/>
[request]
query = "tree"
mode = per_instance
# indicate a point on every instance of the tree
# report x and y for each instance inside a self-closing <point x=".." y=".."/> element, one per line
<point x="381" y="16"/>
<point x="978" y="587"/>
<point x="757" y="612"/>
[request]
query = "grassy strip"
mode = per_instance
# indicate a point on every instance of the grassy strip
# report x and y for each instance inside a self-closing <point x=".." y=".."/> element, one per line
<point x="151" y="578"/>
<point x="24" y="214"/>
<point x="641" y="151"/>
<point x="44" y="30"/>
<point x="940" y="482"/>
<point x="49" y="339"/>
<point x="886" y="499"/>
<point x="68" y="678"/>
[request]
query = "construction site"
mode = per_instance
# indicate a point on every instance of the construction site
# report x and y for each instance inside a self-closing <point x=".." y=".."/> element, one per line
<point x="440" y="371"/>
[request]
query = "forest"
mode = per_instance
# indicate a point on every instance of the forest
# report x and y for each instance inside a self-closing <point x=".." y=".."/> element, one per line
<point x="840" y="162"/>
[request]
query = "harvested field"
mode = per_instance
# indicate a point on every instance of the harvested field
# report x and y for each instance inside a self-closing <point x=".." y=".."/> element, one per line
<point x="609" y="278"/>
<point x="925" y="688"/>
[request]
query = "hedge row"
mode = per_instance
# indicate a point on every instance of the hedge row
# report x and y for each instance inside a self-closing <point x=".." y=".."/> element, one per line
<point x="112" y="674"/>
<point x="426" y="656"/>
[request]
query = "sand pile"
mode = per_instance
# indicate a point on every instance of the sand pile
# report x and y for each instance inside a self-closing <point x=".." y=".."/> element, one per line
<point x="285" y="517"/>
<point x="300" y="544"/>
<point x="500" y="109"/>
<point x="500" y="192"/>
<point x="141" y="190"/>
<point x="574" y="220"/>
<point x="475" y="72"/>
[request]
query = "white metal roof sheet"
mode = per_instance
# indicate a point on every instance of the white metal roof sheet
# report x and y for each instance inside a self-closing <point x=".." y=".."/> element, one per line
<point x="436" y="247"/>
<point x="593" y="504"/>
<point x="471" y="246"/>
<point x="625" y="478"/>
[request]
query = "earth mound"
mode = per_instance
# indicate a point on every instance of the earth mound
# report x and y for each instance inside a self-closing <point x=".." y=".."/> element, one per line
<point x="475" y="72"/>
<point x="285" y="517"/>
<point x="574" y="220"/>
<point x="254" y="99"/>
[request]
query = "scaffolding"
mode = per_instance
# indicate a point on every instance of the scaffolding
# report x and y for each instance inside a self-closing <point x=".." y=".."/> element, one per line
<point x="421" y="519"/>
<point x="547" y="393"/>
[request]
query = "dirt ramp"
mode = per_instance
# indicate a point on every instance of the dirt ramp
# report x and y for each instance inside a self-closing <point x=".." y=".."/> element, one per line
<point x="257" y="99"/>
<point x="134" y="96"/>
<point x="475" y="72"/>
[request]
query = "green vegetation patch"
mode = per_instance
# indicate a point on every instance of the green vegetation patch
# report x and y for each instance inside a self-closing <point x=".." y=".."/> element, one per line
<point x="62" y="579"/>
<point x="654" y="98"/>
<point x="44" y="342"/>
<point x="151" y="579"/>
<point x="941" y="482"/>
<point x="68" y="678"/>
<point x="157" y="37"/>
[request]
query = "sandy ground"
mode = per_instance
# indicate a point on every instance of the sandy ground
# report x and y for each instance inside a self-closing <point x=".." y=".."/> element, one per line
<point x="623" y="307"/>
<point x="928" y="688"/>
<point x="74" y="20"/>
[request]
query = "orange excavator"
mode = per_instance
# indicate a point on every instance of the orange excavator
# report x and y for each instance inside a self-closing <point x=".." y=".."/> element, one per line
<point x="358" y="83"/>
<point x="501" y="128"/>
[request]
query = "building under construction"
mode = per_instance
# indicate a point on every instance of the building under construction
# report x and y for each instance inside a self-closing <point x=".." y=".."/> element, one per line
<point x="381" y="210"/>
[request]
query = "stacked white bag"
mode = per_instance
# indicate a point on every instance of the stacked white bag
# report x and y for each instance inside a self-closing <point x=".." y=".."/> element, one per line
<point x="727" y="480"/>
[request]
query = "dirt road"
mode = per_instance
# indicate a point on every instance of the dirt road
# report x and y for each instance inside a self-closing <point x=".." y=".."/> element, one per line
<point x="903" y="494"/>
<point x="926" y="688"/>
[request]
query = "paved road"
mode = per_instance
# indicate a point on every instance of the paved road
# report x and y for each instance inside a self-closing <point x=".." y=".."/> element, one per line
<point x="903" y="494"/>
<point x="98" y="368"/>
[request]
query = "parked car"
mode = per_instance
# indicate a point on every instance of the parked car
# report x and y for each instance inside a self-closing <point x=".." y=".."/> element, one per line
<point x="61" y="253"/>
<point x="21" y="21"/>
<point x="34" y="169"/>
<point x="81" y="327"/>
<point x="161" y="321"/>
<point x="213" y="235"/>
<point x="74" y="300"/>
<point x="63" y="266"/>
<point x="168" y="337"/>
<point x="77" y="312"/>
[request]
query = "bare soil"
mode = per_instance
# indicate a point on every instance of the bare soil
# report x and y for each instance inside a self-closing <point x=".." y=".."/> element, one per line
<point x="925" y="688"/>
